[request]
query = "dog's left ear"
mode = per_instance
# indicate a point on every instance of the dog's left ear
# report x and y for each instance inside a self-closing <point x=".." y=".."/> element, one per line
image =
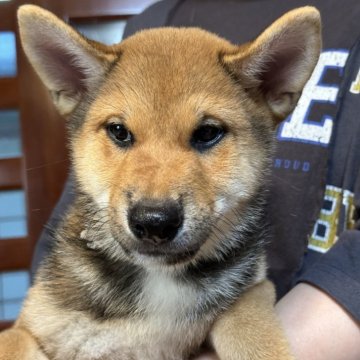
<point x="68" y="64"/>
<point x="279" y="62"/>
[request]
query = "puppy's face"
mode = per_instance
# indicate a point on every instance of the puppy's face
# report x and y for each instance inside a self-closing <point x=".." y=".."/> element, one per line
<point x="173" y="127"/>
<point x="171" y="144"/>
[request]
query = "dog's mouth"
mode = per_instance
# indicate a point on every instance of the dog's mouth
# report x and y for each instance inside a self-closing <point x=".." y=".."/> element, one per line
<point x="168" y="256"/>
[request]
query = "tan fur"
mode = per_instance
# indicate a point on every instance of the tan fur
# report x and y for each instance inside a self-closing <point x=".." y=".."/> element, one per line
<point x="150" y="97"/>
<point x="260" y="334"/>
<point x="105" y="340"/>
<point x="146" y="169"/>
<point x="250" y="328"/>
<point x="19" y="344"/>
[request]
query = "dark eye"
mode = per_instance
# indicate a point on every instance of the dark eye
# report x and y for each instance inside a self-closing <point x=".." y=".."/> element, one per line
<point x="206" y="136"/>
<point x="120" y="134"/>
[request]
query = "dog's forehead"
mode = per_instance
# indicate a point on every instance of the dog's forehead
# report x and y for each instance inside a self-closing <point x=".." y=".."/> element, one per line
<point x="193" y="42"/>
<point x="168" y="70"/>
<point x="175" y="59"/>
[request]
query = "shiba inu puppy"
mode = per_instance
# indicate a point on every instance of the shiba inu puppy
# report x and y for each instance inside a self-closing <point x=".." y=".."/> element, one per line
<point x="171" y="139"/>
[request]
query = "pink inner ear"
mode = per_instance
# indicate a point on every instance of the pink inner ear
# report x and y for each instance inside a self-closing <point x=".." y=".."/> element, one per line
<point x="283" y="67"/>
<point x="62" y="68"/>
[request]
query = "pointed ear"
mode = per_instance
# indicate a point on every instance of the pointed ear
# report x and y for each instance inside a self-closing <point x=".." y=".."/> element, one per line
<point x="68" y="64"/>
<point x="280" y="61"/>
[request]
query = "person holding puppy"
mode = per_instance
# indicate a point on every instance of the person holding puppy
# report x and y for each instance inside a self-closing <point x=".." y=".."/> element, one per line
<point x="315" y="235"/>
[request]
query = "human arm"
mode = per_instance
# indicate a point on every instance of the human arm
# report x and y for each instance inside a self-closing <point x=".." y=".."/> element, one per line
<point x="321" y="315"/>
<point x="318" y="327"/>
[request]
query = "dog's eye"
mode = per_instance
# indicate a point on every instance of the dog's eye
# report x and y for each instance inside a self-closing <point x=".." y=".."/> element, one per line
<point x="206" y="136"/>
<point x="120" y="134"/>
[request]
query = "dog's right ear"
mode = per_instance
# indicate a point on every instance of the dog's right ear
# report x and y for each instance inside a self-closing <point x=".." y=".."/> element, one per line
<point x="68" y="64"/>
<point x="279" y="62"/>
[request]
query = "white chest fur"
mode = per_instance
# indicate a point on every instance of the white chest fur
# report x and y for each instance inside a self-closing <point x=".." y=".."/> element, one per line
<point x="163" y="332"/>
<point x="166" y="298"/>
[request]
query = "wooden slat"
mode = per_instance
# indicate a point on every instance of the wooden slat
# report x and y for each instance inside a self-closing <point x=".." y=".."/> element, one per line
<point x="15" y="254"/>
<point x="9" y="93"/>
<point x="10" y="174"/>
<point x="5" y="325"/>
<point x="8" y="18"/>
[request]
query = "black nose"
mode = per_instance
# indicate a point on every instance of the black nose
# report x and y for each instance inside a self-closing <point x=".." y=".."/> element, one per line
<point x="155" y="222"/>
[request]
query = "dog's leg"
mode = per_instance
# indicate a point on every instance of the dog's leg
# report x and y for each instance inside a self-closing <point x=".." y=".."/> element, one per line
<point x="18" y="344"/>
<point x="250" y="330"/>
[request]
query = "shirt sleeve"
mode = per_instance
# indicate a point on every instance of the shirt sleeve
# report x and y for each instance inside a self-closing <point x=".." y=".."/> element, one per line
<point x="338" y="272"/>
